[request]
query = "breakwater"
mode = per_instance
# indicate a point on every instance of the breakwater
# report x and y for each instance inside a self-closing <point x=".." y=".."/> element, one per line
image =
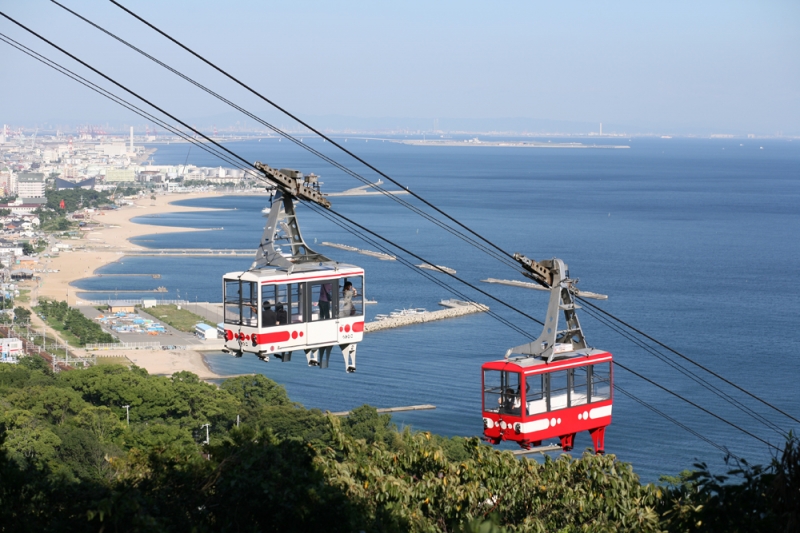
<point x="427" y="316"/>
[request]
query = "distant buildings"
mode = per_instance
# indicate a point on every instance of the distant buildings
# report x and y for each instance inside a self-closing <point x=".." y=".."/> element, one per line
<point x="98" y="161"/>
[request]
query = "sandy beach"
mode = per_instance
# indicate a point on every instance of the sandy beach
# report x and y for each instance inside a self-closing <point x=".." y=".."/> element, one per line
<point x="107" y="244"/>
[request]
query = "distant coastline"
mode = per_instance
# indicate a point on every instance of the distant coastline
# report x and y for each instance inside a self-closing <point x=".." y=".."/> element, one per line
<point x="508" y="144"/>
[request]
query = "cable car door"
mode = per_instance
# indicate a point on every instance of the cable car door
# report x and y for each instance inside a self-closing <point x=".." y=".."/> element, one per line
<point x="322" y="325"/>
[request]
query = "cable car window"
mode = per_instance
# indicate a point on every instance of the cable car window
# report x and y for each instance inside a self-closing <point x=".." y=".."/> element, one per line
<point x="501" y="392"/>
<point x="269" y="317"/>
<point x="579" y="390"/>
<point x="600" y="382"/>
<point x="295" y="303"/>
<point x="351" y="301"/>
<point x="323" y="300"/>
<point x="250" y="303"/>
<point x="279" y="297"/>
<point x="558" y="397"/>
<point x="535" y="394"/>
<point x="233" y="297"/>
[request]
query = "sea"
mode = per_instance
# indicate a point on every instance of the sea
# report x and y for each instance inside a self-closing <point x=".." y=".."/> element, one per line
<point x="696" y="242"/>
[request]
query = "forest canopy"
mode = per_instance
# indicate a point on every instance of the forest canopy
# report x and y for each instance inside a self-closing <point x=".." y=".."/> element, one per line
<point x="72" y="458"/>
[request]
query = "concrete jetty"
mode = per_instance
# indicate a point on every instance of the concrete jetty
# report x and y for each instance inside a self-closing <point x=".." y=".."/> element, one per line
<point x="364" y="190"/>
<point x="428" y="316"/>
<point x="437" y="268"/>
<point x="381" y="410"/>
<point x="536" y="286"/>
<point x="380" y="255"/>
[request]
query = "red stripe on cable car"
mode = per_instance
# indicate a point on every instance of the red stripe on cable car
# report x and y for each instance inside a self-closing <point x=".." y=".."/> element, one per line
<point x="278" y="336"/>
<point x="358" y="327"/>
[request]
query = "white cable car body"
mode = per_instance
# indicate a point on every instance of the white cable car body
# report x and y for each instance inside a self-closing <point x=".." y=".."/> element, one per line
<point x="297" y="300"/>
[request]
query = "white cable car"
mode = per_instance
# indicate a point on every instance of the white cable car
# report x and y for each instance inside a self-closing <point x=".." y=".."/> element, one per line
<point x="293" y="301"/>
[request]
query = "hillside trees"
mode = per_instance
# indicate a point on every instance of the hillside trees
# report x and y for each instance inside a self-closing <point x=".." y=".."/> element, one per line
<point x="72" y="320"/>
<point x="70" y="462"/>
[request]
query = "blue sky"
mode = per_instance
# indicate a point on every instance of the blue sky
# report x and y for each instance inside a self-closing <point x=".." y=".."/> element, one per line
<point x="639" y="66"/>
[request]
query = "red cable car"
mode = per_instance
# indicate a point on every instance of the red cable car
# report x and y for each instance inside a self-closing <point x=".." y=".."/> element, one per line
<point x="557" y="385"/>
<point x="293" y="301"/>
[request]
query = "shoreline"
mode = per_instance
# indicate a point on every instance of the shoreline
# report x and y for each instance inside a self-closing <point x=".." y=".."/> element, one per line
<point x="118" y="228"/>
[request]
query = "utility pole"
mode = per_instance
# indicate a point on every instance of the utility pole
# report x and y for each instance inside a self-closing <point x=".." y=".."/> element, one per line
<point x="127" y="414"/>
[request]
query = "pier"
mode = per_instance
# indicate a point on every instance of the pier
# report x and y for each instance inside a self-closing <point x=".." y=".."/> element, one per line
<point x="437" y="268"/>
<point x="380" y="255"/>
<point x="381" y="410"/>
<point x="115" y="291"/>
<point x="364" y="191"/>
<point x="537" y="287"/>
<point x="190" y="252"/>
<point x="154" y="276"/>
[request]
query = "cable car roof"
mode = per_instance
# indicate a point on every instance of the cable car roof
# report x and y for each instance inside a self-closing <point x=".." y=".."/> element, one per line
<point x="301" y="271"/>
<point x="535" y="365"/>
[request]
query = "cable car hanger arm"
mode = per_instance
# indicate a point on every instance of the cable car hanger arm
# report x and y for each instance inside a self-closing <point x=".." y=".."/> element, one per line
<point x="292" y="186"/>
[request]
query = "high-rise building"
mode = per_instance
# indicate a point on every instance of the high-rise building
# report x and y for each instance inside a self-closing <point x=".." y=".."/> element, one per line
<point x="30" y="185"/>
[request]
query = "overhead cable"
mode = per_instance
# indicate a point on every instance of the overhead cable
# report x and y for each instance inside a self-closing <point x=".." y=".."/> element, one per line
<point x="505" y="259"/>
<point x="311" y="128"/>
<point x="693" y="404"/>
<point x="678" y="423"/>
<point x="697" y="379"/>
<point x="233" y="154"/>
<point x="684" y="357"/>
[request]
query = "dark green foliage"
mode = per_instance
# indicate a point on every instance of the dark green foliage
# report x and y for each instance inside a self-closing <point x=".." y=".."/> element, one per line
<point x="83" y="456"/>
<point x="750" y="498"/>
<point x="292" y="422"/>
<point x="21" y="315"/>
<point x="27" y="248"/>
<point x="70" y="462"/>
<point x="286" y="490"/>
<point x="75" y="199"/>
<point x="34" y="363"/>
<point x="72" y="320"/>
<point x="256" y="392"/>
<point x="365" y="423"/>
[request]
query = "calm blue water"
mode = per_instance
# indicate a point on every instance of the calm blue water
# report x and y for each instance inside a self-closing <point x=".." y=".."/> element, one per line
<point x="695" y="241"/>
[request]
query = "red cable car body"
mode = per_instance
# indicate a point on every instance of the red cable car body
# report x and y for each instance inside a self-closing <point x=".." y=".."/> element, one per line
<point x="530" y="400"/>
<point x="555" y="386"/>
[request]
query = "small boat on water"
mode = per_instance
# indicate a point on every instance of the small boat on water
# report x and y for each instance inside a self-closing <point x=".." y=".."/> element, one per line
<point x="406" y="312"/>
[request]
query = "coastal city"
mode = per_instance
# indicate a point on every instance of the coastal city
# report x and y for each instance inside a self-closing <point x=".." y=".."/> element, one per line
<point x="66" y="198"/>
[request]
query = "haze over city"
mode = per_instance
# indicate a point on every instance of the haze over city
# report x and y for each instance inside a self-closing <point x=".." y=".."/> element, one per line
<point x="676" y="68"/>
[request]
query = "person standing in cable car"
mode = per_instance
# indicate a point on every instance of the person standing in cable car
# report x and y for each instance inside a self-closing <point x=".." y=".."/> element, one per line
<point x="280" y="313"/>
<point x="325" y="301"/>
<point x="348" y="293"/>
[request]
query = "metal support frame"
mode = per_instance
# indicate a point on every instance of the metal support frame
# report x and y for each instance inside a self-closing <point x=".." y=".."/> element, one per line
<point x="282" y="225"/>
<point x="562" y="291"/>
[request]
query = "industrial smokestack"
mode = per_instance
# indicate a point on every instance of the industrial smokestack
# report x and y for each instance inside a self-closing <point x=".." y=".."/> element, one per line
<point x="131" y="138"/>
